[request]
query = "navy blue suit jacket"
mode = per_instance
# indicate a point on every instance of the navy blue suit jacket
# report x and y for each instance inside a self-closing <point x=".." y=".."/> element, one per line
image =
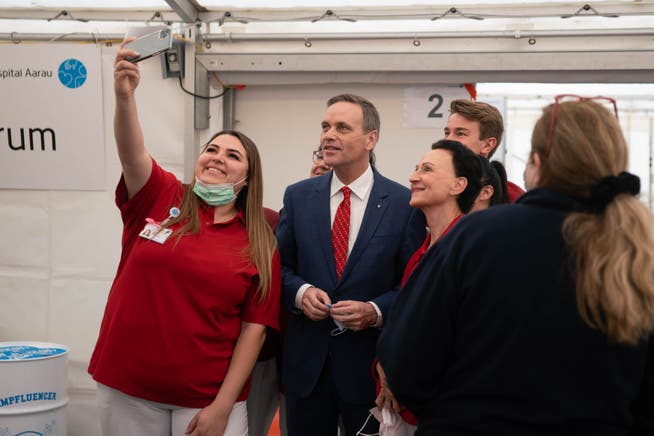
<point x="390" y="232"/>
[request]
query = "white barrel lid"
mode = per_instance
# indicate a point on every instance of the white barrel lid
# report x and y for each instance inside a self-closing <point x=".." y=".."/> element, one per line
<point x="12" y="351"/>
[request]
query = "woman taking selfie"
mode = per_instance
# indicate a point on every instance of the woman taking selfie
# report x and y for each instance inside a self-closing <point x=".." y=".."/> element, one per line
<point x="197" y="284"/>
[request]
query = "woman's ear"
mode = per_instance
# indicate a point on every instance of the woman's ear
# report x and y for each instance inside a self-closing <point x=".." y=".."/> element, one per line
<point x="460" y="184"/>
<point x="486" y="192"/>
<point x="532" y="170"/>
<point x="538" y="162"/>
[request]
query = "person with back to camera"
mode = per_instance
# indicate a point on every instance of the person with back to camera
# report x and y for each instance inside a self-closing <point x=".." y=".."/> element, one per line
<point x="560" y="343"/>
<point x="444" y="186"/>
<point x="190" y="303"/>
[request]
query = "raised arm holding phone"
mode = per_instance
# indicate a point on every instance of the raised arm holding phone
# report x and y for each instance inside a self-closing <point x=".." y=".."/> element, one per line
<point x="194" y="290"/>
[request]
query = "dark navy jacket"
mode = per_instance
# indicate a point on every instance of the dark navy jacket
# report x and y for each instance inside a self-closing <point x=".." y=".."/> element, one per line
<point x="390" y="232"/>
<point x="486" y="339"/>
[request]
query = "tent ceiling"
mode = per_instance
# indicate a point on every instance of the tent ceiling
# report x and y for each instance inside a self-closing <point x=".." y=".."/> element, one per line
<point x="235" y="19"/>
<point x="257" y="11"/>
<point x="608" y="40"/>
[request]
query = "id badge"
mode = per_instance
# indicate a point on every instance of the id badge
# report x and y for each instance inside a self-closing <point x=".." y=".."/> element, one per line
<point x="153" y="232"/>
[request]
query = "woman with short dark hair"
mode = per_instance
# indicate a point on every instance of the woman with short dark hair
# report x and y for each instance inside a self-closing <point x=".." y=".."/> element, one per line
<point x="444" y="186"/>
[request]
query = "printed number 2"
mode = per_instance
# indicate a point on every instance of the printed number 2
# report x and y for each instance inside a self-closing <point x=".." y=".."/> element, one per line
<point x="433" y="113"/>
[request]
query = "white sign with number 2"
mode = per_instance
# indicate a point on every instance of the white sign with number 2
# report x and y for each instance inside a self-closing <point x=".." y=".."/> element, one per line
<point x="428" y="107"/>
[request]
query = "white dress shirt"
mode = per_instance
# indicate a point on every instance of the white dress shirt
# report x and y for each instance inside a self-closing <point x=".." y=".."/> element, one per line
<point x="361" y="188"/>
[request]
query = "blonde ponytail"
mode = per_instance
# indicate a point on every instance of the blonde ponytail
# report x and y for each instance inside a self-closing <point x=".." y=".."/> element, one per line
<point x="612" y="245"/>
<point x="614" y="268"/>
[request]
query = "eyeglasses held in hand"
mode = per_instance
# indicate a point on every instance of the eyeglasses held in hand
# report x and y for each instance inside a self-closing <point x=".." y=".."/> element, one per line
<point x="572" y="97"/>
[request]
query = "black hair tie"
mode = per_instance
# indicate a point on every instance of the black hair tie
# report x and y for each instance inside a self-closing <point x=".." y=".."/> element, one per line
<point x="608" y="187"/>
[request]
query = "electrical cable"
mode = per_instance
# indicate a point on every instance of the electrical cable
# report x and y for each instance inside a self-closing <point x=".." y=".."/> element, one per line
<point x="206" y="97"/>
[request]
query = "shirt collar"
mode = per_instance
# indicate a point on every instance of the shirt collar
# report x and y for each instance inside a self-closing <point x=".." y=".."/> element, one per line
<point x="207" y="213"/>
<point x="359" y="187"/>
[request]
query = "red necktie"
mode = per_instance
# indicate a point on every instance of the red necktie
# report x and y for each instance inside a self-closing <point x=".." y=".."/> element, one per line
<point x="341" y="231"/>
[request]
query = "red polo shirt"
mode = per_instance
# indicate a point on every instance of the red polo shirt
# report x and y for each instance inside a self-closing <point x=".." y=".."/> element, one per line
<point x="174" y="311"/>
<point x="513" y="191"/>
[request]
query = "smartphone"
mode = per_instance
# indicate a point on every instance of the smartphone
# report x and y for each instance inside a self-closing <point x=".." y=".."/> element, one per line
<point x="150" y="44"/>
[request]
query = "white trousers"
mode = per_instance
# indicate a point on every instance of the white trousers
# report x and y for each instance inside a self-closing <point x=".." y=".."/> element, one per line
<point x="124" y="415"/>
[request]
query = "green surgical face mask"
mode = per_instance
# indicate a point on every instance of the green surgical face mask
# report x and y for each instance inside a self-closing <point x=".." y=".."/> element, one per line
<point x="215" y="194"/>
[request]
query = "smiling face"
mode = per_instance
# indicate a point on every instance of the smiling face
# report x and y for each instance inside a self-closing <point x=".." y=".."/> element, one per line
<point x="346" y="146"/>
<point x="223" y="160"/>
<point x="434" y="181"/>
<point x="467" y="133"/>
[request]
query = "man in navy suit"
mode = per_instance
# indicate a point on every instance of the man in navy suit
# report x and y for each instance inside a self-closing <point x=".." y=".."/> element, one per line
<point x="326" y="369"/>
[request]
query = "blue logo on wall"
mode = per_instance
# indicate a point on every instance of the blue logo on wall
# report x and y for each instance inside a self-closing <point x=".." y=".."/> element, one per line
<point x="72" y="73"/>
